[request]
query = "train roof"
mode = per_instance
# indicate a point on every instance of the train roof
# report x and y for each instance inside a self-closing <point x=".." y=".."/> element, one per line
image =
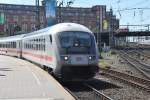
<point x="69" y="27"/>
<point x="61" y="27"/>
<point x="12" y="38"/>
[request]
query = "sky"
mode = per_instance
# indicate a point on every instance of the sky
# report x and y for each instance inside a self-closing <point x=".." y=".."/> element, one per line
<point x="127" y="17"/>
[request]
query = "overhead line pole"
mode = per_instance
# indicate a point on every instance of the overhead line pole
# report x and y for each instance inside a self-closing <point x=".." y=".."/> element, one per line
<point x="37" y="15"/>
<point x="59" y="6"/>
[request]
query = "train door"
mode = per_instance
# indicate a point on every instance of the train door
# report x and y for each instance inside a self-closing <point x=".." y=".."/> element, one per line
<point x="20" y="49"/>
<point x="40" y="52"/>
<point x="43" y="50"/>
<point x="49" y="51"/>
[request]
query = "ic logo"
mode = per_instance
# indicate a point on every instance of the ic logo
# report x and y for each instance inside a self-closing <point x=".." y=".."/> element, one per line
<point x="78" y="58"/>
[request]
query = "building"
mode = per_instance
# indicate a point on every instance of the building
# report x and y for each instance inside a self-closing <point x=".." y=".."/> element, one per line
<point x="21" y="17"/>
<point x="91" y="17"/>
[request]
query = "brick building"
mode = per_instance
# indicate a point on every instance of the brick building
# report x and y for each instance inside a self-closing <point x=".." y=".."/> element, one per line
<point x="24" y="16"/>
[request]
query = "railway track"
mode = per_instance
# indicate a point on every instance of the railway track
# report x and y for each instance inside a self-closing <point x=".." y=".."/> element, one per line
<point x="143" y="54"/>
<point x="76" y="97"/>
<point x="143" y="68"/>
<point x="100" y="95"/>
<point x="89" y="93"/>
<point x="139" y="52"/>
<point x="129" y="79"/>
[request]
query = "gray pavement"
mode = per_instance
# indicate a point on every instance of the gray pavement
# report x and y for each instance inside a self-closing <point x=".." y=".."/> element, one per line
<point x="22" y="80"/>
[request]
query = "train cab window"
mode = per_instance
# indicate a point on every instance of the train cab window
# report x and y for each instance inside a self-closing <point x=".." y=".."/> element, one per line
<point x="77" y="43"/>
<point x="50" y="38"/>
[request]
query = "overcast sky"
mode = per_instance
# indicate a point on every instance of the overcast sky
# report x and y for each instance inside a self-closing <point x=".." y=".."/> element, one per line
<point x="136" y="16"/>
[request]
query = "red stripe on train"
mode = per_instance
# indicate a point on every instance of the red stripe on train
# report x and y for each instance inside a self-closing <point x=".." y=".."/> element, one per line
<point x="45" y="57"/>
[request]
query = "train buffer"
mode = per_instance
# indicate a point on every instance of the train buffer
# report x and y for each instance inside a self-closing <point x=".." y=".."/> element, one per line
<point x="22" y="80"/>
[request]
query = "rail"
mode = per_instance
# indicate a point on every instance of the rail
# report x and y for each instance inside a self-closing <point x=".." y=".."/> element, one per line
<point x="130" y="79"/>
<point x="136" y="64"/>
<point x="89" y="92"/>
<point x="98" y="93"/>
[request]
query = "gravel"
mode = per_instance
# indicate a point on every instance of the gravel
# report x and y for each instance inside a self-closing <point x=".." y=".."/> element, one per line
<point x="119" y="64"/>
<point x="125" y="92"/>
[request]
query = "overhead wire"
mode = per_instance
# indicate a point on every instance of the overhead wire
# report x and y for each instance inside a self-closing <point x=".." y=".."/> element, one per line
<point x="139" y="10"/>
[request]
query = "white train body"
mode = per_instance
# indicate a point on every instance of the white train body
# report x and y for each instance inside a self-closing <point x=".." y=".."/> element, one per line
<point x="68" y="50"/>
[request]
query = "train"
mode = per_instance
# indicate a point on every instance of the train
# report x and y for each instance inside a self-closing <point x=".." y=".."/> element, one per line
<point x="66" y="50"/>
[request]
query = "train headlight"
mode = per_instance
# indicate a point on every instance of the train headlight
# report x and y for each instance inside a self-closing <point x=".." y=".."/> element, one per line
<point x="90" y="58"/>
<point x="65" y="58"/>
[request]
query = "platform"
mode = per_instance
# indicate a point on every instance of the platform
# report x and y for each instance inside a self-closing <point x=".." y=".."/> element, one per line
<point x="22" y="80"/>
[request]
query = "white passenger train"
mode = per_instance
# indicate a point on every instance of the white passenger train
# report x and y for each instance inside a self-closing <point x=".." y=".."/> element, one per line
<point x="67" y="50"/>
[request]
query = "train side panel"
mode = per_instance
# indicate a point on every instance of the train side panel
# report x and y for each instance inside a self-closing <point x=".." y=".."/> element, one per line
<point x="40" y="49"/>
<point x="34" y="49"/>
<point x="10" y="48"/>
